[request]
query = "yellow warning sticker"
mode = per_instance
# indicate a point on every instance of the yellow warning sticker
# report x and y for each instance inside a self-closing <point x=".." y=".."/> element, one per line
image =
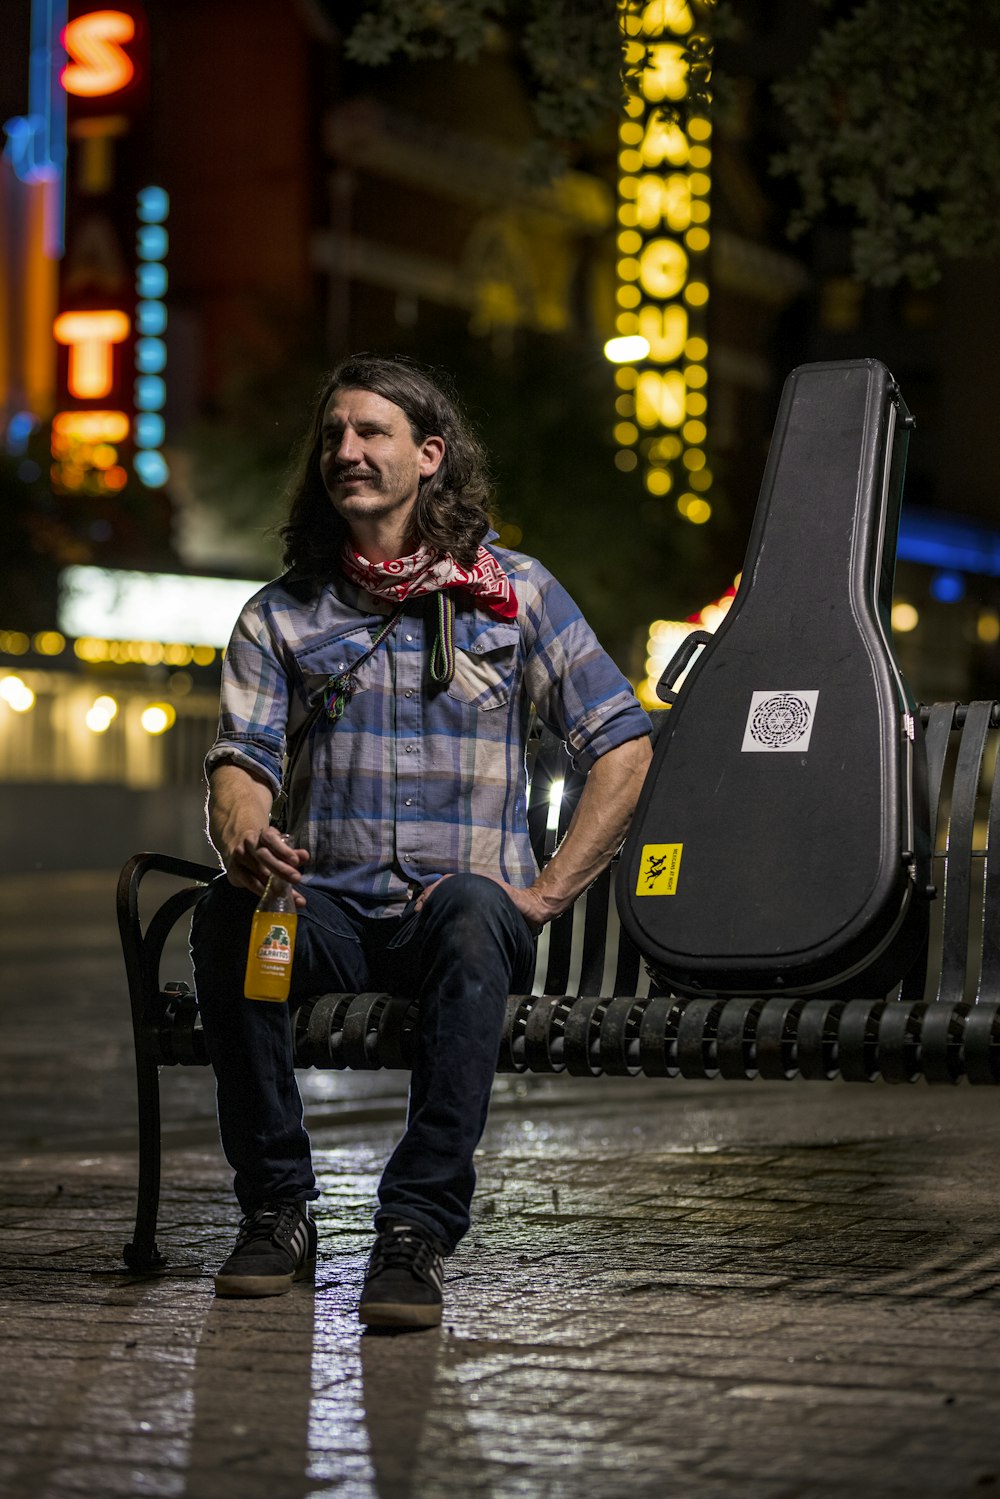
<point x="659" y="868"/>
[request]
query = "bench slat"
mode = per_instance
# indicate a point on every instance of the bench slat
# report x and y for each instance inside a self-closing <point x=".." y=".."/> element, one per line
<point x="989" y="973"/>
<point x="957" y="892"/>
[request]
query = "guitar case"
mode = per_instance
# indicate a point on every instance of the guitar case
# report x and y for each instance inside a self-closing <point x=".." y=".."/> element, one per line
<point x="780" y="844"/>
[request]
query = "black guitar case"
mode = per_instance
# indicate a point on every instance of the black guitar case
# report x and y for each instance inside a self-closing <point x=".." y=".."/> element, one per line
<point x="780" y="844"/>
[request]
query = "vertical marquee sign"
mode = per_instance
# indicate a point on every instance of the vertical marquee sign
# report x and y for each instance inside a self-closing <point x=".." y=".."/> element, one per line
<point x="111" y="317"/>
<point x="661" y="345"/>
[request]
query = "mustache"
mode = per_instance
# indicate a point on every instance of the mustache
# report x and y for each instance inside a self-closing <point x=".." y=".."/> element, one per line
<point x="351" y="471"/>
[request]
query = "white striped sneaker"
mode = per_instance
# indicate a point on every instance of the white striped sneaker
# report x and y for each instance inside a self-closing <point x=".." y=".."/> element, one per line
<point x="404" y="1279"/>
<point x="275" y="1246"/>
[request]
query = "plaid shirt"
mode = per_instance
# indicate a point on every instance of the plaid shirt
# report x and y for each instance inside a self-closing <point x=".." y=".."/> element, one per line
<point x="414" y="782"/>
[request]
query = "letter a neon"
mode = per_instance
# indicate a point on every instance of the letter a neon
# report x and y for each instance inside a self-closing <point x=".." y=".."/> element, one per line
<point x="99" y="66"/>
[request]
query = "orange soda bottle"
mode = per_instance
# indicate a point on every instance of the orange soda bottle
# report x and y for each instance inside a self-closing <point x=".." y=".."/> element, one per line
<point x="272" y="942"/>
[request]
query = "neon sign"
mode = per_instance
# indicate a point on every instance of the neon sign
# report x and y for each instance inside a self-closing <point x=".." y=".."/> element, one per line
<point x="100" y="64"/>
<point x="152" y="242"/>
<point x="91" y="337"/>
<point x="91" y="426"/>
<point x="663" y="214"/>
<point x="105" y="60"/>
<point x="36" y="142"/>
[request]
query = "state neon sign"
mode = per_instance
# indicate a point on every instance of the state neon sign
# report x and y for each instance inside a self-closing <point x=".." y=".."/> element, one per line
<point x="100" y="76"/>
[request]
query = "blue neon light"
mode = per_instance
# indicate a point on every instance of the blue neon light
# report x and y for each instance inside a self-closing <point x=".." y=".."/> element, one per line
<point x="950" y="543"/>
<point x="150" y="429"/>
<point x="19" y="429"/>
<point x="36" y="142"/>
<point x="152" y="469"/>
<point x="150" y="318"/>
<point x="150" y="356"/>
<point x="948" y="588"/>
<point x="23" y="134"/>
<point x="151" y="280"/>
<point x="151" y="242"/>
<point x="150" y="393"/>
<point x="154" y="205"/>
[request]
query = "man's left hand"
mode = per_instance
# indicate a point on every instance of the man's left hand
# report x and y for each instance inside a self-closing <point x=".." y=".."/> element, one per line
<point x="531" y="904"/>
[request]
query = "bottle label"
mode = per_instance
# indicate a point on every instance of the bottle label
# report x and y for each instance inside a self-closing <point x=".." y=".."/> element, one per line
<point x="276" y="946"/>
<point x="269" y="955"/>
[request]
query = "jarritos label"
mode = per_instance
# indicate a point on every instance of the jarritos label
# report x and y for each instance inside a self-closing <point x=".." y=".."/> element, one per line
<point x="269" y="955"/>
<point x="276" y="947"/>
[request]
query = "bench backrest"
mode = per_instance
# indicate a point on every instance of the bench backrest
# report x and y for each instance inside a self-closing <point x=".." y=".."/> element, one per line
<point x="585" y="956"/>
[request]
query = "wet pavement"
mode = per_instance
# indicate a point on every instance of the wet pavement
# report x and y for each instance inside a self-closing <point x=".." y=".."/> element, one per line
<point x="671" y="1288"/>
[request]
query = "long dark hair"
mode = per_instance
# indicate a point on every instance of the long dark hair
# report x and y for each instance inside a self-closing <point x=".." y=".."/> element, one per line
<point x="452" y="510"/>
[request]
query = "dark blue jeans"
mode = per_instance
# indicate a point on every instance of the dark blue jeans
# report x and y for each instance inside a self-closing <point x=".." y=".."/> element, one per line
<point x="460" y="956"/>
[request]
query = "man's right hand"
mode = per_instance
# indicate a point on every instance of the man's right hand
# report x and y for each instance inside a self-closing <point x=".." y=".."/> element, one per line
<point x="259" y="853"/>
<point x="251" y="850"/>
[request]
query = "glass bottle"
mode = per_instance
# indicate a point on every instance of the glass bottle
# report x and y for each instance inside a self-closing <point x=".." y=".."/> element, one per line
<point x="272" y="941"/>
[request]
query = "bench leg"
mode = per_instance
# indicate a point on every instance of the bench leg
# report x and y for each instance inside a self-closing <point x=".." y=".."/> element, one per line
<point x="142" y="1253"/>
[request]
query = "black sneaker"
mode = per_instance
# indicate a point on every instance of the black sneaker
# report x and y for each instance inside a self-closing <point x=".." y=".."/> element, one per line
<point x="275" y="1246"/>
<point x="404" y="1278"/>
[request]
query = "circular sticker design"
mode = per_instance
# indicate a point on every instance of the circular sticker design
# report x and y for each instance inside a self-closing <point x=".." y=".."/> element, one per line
<point x="780" y="720"/>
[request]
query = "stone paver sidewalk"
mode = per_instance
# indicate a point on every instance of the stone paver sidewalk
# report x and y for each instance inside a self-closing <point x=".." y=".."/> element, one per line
<point x="707" y="1290"/>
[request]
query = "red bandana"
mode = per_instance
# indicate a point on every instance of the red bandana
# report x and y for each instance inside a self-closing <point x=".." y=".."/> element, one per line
<point x="429" y="571"/>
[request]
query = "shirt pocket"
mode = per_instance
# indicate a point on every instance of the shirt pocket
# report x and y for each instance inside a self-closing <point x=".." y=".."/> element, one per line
<point x="333" y="657"/>
<point x="486" y="666"/>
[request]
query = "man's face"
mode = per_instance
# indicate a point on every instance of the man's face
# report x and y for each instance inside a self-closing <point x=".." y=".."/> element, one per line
<point x="370" y="464"/>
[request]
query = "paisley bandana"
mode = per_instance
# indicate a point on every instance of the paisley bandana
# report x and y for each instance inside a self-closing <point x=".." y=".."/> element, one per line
<point x="430" y="571"/>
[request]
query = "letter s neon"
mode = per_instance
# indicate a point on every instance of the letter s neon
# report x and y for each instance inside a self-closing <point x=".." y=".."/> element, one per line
<point x="100" y="65"/>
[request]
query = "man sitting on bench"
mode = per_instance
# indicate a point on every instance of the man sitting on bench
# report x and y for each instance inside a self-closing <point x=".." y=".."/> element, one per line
<point x="411" y="863"/>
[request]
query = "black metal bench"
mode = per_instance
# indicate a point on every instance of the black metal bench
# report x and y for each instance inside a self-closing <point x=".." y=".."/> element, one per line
<point x="593" y="1009"/>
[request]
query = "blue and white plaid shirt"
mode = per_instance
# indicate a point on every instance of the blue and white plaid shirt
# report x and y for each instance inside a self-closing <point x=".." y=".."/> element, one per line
<point x="415" y="781"/>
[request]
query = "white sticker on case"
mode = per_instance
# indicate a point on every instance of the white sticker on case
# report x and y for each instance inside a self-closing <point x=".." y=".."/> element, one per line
<point x="780" y="722"/>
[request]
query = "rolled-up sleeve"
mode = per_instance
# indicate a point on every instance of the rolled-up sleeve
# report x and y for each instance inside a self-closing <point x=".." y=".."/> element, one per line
<point x="576" y="688"/>
<point x="253" y="709"/>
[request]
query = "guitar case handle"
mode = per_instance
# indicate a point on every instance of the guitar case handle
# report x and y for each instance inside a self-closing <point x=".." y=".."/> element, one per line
<point x="688" y="647"/>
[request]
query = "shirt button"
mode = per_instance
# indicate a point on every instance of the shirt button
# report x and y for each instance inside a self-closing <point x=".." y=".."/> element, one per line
<point x="409" y="749"/>
<point x="407" y="637"/>
<point x="408" y="692"/>
<point x="408" y="802"/>
<point x="478" y="650"/>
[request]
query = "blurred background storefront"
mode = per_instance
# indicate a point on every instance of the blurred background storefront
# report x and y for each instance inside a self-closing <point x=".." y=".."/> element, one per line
<point x="205" y="203"/>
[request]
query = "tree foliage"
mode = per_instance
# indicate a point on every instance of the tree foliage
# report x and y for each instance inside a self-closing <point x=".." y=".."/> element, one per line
<point x="892" y="121"/>
<point x="570" y="51"/>
<point x="240" y="450"/>
<point x="895" y="116"/>
<point x="543" y="414"/>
